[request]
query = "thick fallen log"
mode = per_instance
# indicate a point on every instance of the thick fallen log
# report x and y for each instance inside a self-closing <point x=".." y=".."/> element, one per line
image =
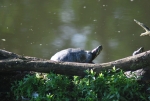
<point x="11" y="62"/>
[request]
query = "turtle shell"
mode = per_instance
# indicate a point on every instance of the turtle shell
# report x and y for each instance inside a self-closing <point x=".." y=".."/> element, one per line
<point x="73" y="55"/>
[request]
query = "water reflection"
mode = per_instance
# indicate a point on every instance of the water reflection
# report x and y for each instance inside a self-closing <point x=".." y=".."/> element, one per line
<point x="113" y="43"/>
<point x="66" y="13"/>
<point x="41" y="29"/>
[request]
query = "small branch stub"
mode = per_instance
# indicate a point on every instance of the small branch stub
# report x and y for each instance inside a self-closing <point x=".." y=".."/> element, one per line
<point x="147" y="29"/>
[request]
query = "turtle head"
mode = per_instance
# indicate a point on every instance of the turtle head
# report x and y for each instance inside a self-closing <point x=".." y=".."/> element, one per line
<point x="140" y="50"/>
<point x="95" y="52"/>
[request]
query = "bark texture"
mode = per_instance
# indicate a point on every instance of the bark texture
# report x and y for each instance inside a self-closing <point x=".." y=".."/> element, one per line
<point x="11" y="62"/>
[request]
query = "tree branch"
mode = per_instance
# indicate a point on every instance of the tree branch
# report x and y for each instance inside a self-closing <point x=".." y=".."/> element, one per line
<point x="10" y="62"/>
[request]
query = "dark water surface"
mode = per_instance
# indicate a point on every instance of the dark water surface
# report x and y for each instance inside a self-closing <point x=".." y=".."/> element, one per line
<point x="41" y="28"/>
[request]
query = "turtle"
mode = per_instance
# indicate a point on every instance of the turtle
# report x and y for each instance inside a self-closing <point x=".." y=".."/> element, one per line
<point x="140" y="50"/>
<point x="77" y="55"/>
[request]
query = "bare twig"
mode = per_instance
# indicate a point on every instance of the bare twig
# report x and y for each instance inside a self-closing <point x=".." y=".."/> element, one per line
<point x="147" y="29"/>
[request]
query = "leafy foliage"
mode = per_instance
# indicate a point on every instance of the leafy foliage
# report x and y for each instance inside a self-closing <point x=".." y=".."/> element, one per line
<point x="106" y="86"/>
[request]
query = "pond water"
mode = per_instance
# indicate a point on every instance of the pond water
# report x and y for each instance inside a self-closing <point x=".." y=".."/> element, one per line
<point x="41" y="28"/>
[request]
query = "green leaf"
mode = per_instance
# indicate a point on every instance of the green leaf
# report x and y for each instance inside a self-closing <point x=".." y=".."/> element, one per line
<point x="114" y="69"/>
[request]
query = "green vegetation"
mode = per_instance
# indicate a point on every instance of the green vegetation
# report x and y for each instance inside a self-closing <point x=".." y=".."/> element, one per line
<point x="107" y="86"/>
